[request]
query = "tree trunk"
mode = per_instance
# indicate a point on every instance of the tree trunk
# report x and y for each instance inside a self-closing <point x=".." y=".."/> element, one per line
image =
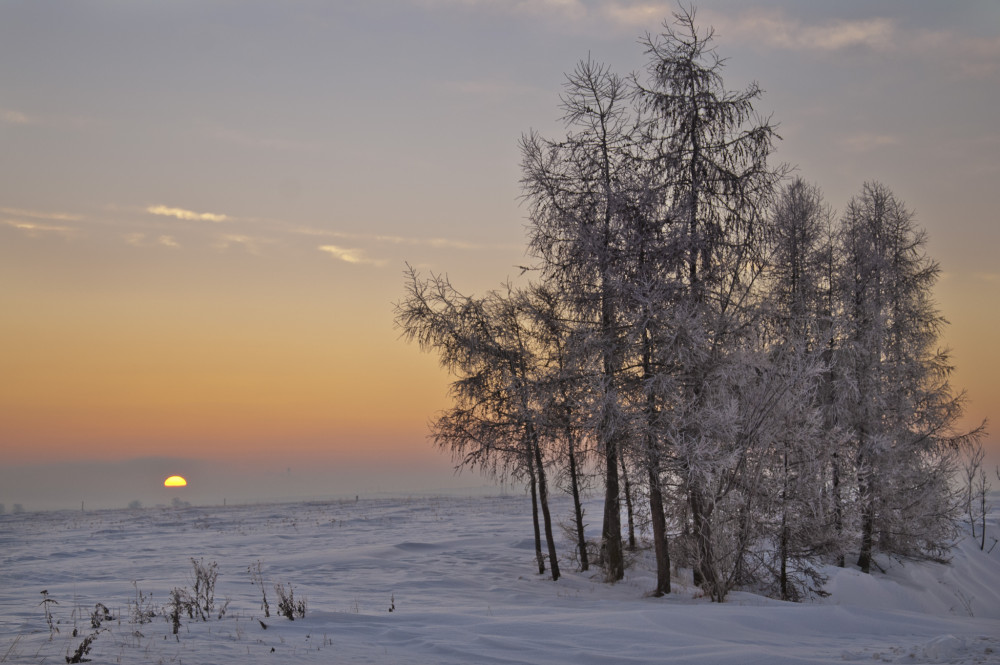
<point x="581" y="541"/>
<point x="659" y="523"/>
<point x="534" y="516"/>
<point x="867" y="499"/>
<point x="838" y="511"/>
<point x="705" y="574"/>
<point x="867" y="530"/>
<point x="783" y="542"/>
<point x="628" y="503"/>
<point x="543" y="494"/>
<point x="611" y="538"/>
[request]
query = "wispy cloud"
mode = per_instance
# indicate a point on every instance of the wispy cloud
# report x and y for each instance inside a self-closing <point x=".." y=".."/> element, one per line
<point x="647" y="15"/>
<point x="181" y="213"/>
<point x="35" y="223"/>
<point x="140" y="240"/>
<point x="250" y="244"/>
<point x="37" y="214"/>
<point x="775" y="29"/>
<point x="437" y="243"/>
<point x="36" y="229"/>
<point x="351" y="255"/>
<point x="12" y="117"/>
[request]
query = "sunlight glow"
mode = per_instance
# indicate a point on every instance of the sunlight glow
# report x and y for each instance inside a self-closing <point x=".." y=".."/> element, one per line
<point x="175" y="481"/>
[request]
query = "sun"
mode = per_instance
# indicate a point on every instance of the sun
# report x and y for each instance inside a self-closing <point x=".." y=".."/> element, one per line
<point x="175" y="481"/>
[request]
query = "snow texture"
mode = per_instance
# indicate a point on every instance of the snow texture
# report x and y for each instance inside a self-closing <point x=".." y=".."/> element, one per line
<point x="458" y="576"/>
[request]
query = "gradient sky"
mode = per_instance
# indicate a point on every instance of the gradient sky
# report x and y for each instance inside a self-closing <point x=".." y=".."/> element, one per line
<point x="206" y="206"/>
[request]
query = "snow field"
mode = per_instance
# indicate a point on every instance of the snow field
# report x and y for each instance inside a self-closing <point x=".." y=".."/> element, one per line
<point x="459" y="575"/>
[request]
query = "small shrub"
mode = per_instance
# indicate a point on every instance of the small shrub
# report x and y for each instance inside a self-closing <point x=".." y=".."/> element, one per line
<point x="257" y="578"/>
<point x="288" y="607"/>
<point x="180" y="601"/>
<point x="82" y="650"/>
<point x="46" y="601"/>
<point x="100" y="614"/>
<point x="205" y="576"/>
<point x="141" y="610"/>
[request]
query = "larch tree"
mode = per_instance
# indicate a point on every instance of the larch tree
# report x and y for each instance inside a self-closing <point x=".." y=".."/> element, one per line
<point x="903" y="413"/>
<point x="799" y="300"/>
<point x="711" y="151"/>
<point x="577" y="193"/>
<point x="487" y="344"/>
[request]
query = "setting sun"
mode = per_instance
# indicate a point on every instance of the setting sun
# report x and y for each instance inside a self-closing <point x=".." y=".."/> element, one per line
<point x="175" y="481"/>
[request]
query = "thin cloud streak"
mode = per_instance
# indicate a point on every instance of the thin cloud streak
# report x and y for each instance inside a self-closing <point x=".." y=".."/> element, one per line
<point x="437" y="243"/>
<point x="139" y="240"/>
<point x="35" y="214"/>
<point x="248" y="243"/>
<point x="190" y="215"/>
<point x="350" y="255"/>
<point x="35" y="229"/>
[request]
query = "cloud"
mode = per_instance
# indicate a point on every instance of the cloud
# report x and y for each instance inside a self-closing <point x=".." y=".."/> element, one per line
<point x="35" y="229"/>
<point x="437" y="243"/>
<point x="139" y="240"/>
<point x="351" y="255"/>
<point x="181" y="213"/>
<point x="35" y="214"/>
<point x="12" y="117"/>
<point x="647" y="15"/>
<point x="774" y="29"/>
<point x="250" y="244"/>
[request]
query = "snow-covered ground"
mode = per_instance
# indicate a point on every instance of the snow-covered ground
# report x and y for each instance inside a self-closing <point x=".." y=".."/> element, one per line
<point x="459" y="575"/>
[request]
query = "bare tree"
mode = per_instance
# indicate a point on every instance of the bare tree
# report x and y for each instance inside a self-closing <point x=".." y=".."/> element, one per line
<point x="495" y="421"/>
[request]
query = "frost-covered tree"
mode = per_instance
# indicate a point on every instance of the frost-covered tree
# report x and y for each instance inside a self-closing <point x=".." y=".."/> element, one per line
<point x="768" y="381"/>
<point x="562" y="394"/>
<point x="902" y="412"/>
<point x="578" y="191"/>
<point x="494" y="423"/>
<point x="806" y="445"/>
<point x="710" y="151"/>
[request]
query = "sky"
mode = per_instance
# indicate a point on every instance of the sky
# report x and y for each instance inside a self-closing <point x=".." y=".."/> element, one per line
<point x="206" y="208"/>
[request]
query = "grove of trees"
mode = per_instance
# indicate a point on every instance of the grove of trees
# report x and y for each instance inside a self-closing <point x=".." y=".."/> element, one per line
<point x="755" y="385"/>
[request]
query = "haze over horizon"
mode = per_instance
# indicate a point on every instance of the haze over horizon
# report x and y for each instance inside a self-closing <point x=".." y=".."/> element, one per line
<point x="206" y="209"/>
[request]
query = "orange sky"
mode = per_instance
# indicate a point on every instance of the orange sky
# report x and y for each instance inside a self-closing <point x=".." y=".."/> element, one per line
<point x="205" y="215"/>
